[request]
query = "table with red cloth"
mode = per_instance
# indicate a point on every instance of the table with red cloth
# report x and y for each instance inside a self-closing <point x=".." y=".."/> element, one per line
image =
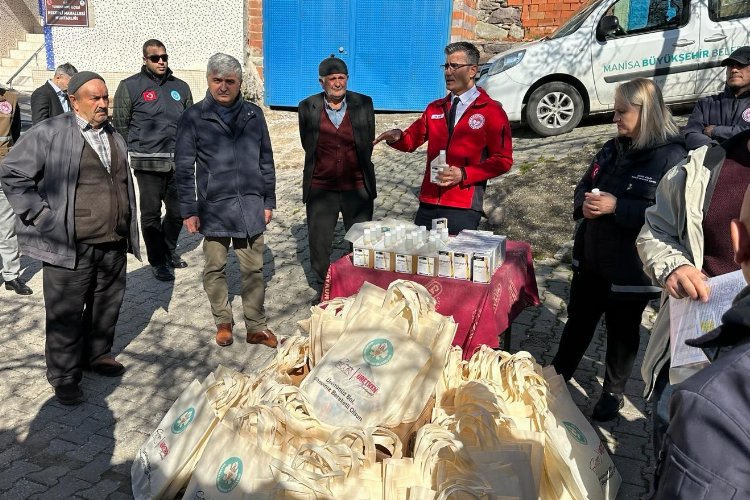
<point x="483" y="311"/>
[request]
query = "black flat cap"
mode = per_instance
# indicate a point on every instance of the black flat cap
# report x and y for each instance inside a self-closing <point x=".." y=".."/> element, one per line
<point x="331" y="66"/>
<point x="77" y="80"/>
<point x="741" y="56"/>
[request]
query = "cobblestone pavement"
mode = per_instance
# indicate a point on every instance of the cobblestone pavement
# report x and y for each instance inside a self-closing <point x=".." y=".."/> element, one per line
<point x="165" y="338"/>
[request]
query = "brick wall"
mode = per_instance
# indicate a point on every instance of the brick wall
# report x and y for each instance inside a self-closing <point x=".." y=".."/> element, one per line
<point x="255" y="33"/>
<point x="542" y="17"/>
<point x="464" y="23"/>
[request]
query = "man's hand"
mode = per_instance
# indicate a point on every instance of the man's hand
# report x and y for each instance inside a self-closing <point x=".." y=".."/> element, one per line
<point x="596" y="205"/>
<point x="389" y="136"/>
<point x="709" y="130"/>
<point x="267" y="215"/>
<point x="450" y="177"/>
<point x="192" y="224"/>
<point x="687" y="281"/>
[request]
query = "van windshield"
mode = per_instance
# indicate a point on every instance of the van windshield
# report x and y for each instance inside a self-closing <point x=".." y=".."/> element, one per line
<point x="575" y="22"/>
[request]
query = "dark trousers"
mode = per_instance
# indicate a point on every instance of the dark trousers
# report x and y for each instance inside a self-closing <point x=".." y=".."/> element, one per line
<point x="590" y="297"/>
<point x="660" y="407"/>
<point x="82" y="306"/>
<point x="159" y="235"/>
<point x="323" y="208"/>
<point x="458" y="218"/>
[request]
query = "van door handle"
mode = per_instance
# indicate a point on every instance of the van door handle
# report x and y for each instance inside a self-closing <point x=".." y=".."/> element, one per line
<point x="715" y="38"/>
<point x="682" y="42"/>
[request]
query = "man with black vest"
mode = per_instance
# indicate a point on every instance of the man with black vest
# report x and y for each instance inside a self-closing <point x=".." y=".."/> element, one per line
<point x="68" y="181"/>
<point x="337" y="128"/>
<point x="146" y="110"/>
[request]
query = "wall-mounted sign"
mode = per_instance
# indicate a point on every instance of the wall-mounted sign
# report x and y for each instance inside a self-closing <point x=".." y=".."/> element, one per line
<point x="66" y="13"/>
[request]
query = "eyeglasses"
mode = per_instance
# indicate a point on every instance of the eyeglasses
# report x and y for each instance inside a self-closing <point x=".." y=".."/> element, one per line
<point x="454" y="66"/>
<point x="155" y="58"/>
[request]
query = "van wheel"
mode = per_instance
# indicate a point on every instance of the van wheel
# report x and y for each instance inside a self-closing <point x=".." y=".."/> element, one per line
<point x="554" y="108"/>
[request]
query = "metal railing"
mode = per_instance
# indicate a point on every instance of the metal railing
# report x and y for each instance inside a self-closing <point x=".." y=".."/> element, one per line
<point x="31" y="57"/>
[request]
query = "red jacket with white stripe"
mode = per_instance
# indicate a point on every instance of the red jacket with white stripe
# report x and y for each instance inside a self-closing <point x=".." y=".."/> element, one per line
<point x="480" y="145"/>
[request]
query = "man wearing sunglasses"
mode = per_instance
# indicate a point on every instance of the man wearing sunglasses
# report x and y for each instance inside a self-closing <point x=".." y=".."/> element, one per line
<point x="147" y="107"/>
<point x="474" y="132"/>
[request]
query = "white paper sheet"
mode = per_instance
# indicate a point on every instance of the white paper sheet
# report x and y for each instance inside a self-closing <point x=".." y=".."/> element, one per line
<point x="691" y="318"/>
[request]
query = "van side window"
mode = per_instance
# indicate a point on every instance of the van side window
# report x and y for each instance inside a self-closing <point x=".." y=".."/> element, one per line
<point x="644" y="16"/>
<point x="724" y="10"/>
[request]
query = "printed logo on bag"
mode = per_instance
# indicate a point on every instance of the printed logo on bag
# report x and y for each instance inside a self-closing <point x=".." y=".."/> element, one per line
<point x="163" y="449"/>
<point x="746" y="115"/>
<point x="199" y="495"/>
<point x="229" y="475"/>
<point x="183" y="420"/>
<point x="345" y="367"/>
<point x="378" y="352"/>
<point x="5" y="107"/>
<point x="476" y="121"/>
<point x="367" y="385"/>
<point x="575" y="432"/>
<point x="604" y="478"/>
<point x="149" y="95"/>
<point x="595" y="462"/>
<point x="175" y="95"/>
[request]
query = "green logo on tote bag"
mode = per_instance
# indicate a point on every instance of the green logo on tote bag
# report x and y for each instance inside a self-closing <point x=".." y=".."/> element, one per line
<point x="183" y="420"/>
<point x="575" y="432"/>
<point x="229" y="475"/>
<point x="378" y="352"/>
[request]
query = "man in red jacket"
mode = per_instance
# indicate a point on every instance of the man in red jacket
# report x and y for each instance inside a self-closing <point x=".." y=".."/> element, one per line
<point x="474" y="132"/>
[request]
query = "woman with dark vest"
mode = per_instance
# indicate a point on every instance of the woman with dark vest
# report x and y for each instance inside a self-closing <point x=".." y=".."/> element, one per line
<point x="610" y="202"/>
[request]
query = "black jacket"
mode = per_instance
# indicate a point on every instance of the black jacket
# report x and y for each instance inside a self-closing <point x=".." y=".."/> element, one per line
<point x="730" y="114"/>
<point x="706" y="452"/>
<point x="606" y="245"/>
<point x="145" y="112"/>
<point x="45" y="103"/>
<point x="359" y="107"/>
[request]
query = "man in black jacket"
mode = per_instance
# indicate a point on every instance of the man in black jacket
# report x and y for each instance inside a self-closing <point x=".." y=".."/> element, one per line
<point x="51" y="99"/>
<point x="147" y="108"/>
<point x="337" y="128"/>
<point x="721" y="116"/>
<point x="706" y="451"/>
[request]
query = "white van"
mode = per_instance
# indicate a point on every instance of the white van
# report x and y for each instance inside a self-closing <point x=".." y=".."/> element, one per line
<point x="550" y="84"/>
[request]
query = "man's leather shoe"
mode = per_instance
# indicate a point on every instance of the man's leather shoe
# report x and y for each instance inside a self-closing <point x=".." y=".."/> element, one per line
<point x="608" y="406"/>
<point x="266" y="337"/>
<point x="18" y="286"/>
<point x="176" y="262"/>
<point x="163" y="273"/>
<point x="69" y="394"/>
<point x="224" y="334"/>
<point x="107" y="366"/>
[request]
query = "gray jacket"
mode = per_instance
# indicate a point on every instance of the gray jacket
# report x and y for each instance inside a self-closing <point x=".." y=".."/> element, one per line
<point x="673" y="236"/>
<point x="41" y="172"/>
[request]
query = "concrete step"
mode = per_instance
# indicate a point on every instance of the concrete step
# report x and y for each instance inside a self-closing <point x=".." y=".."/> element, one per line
<point x="39" y="61"/>
<point x="27" y="45"/>
<point x="22" y="83"/>
<point x="37" y="38"/>
<point x="7" y="71"/>
<point x="22" y="55"/>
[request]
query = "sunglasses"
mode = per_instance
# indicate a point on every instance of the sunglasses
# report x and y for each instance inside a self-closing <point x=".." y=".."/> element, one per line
<point x="155" y="58"/>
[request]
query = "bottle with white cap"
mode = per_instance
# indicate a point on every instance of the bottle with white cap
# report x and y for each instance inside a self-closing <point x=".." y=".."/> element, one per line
<point x="438" y="165"/>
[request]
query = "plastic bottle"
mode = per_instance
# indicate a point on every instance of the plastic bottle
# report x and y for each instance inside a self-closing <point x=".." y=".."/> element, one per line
<point x="438" y="165"/>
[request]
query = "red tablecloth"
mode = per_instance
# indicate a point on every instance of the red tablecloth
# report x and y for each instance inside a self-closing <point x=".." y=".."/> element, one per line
<point x="482" y="311"/>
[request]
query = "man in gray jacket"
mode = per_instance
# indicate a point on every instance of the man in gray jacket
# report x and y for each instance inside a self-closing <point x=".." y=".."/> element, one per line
<point x="68" y="181"/>
<point x="227" y="186"/>
<point x="683" y="241"/>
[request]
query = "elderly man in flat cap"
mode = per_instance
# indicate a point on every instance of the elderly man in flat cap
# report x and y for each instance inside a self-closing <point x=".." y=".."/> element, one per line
<point x="337" y="128"/>
<point x="68" y="181"/>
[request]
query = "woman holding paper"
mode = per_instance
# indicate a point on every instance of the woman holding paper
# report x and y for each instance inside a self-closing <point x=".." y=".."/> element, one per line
<point x="610" y="201"/>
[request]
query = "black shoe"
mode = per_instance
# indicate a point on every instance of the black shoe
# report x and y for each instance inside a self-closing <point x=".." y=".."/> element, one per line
<point x="69" y="394"/>
<point x="163" y="273"/>
<point x="176" y="262"/>
<point x="18" y="286"/>
<point x="608" y="407"/>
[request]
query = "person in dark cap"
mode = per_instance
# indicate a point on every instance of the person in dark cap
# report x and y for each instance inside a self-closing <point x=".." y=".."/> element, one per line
<point x="69" y="183"/>
<point x="337" y="127"/>
<point x="718" y="117"/>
